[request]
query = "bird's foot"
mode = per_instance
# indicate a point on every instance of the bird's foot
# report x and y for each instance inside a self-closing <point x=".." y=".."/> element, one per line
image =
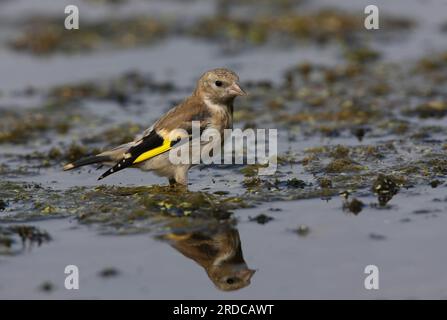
<point x="176" y="185"/>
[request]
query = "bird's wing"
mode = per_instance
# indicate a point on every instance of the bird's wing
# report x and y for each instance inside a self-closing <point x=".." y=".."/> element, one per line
<point x="181" y="117"/>
<point x="158" y="139"/>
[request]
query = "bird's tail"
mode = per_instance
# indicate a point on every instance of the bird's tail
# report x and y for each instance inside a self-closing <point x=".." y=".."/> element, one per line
<point x="86" y="161"/>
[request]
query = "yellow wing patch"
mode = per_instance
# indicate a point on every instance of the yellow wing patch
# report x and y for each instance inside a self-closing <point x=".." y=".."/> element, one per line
<point x="154" y="152"/>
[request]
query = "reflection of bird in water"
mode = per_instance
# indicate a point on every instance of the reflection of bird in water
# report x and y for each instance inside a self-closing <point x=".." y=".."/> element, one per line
<point x="219" y="252"/>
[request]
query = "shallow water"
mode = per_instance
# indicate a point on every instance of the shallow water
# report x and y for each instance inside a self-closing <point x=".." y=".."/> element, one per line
<point x="404" y="239"/>
<point x="326" y="263"/>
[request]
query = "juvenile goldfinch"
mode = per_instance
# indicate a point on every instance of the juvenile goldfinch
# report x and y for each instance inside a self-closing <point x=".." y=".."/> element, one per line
<point x="211" y="104"/>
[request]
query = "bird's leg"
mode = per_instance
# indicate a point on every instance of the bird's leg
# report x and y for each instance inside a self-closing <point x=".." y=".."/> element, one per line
<point x="181" y="175"/>
<point x="172" y="182"/>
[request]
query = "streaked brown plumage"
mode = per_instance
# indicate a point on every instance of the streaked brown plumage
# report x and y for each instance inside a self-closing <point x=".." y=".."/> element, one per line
<point x="211" y="104"/>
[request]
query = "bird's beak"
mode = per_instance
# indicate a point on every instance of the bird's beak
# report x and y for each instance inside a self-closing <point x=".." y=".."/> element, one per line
<point x="235" y="89"/>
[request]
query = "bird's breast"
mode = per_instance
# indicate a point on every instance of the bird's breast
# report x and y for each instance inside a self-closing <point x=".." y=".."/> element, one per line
<point x="221" y="120"/>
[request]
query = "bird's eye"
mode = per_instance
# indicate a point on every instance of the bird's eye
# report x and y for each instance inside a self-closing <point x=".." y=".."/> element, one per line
<point x="218" y="83"/>
<point x="230" y="280"/>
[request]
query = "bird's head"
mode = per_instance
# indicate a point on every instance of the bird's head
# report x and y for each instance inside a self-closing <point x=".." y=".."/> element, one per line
<point x="219" y="85"/>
